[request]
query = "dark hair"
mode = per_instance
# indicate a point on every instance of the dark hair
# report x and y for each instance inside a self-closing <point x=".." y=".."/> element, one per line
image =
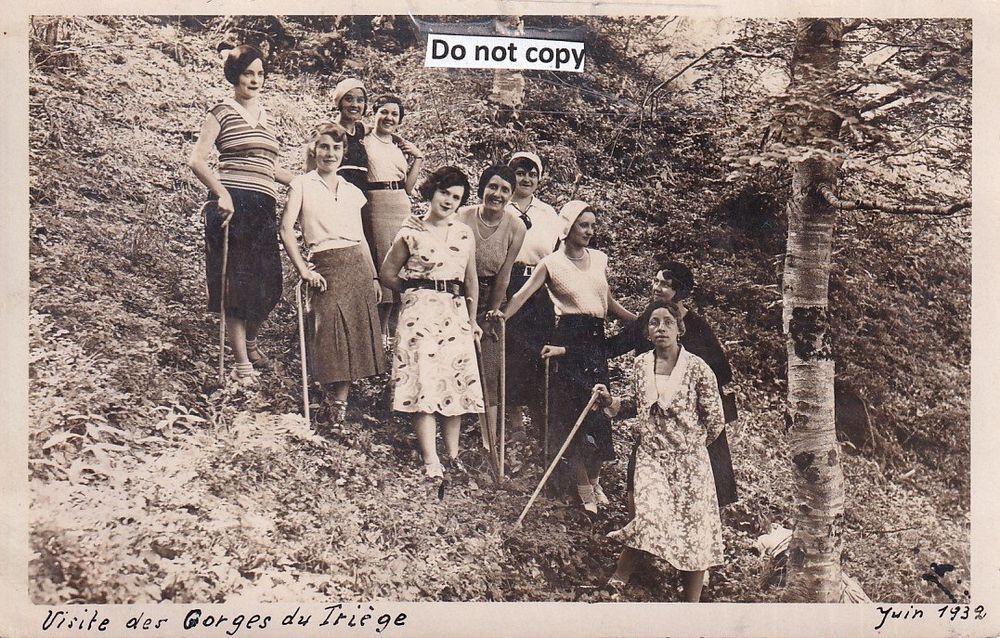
<point x="442" y="179"/>
<point x="334" y="130"/>
<point x="523" y="162"/>
<point x="681" y="276"/>
<point x="497" y="170"/>
<point x="672" y="307"/>
<point x="238" y="60"/>
<point x="387" y="98"/>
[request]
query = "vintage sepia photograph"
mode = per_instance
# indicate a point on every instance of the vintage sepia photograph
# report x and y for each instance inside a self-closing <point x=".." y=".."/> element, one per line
<point x="479" y="308"/>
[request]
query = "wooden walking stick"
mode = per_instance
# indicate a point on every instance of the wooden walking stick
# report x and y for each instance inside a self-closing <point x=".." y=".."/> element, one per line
<point x="502" y="400"/>
<point x="545" y="417"/>
<point x="222" y="306"/>
<point x="484" y="419"/>
<point x="562" y="450"/>
<point x="302" y="352"/>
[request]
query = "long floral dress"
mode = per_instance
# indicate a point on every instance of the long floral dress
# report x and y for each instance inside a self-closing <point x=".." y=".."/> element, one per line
<point x="676" y="511"/>
<point x="434" y="366"/>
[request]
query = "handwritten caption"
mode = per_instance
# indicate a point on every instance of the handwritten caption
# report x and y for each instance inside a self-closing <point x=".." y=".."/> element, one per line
<point x="496" y="52"/>
<point x="197" y="620"/>
<point x="951" y="613"/>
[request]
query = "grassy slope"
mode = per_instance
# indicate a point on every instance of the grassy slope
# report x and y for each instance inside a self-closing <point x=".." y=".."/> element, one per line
<point x="186" y="495"/>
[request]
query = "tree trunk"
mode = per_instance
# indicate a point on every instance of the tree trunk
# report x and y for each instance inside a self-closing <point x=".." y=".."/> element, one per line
<point x="814" y="555"/>
<point x="508" y="86"/>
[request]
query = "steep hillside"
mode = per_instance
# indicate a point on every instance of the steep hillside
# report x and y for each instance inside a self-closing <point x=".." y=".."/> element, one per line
<point x="188" y="492"/>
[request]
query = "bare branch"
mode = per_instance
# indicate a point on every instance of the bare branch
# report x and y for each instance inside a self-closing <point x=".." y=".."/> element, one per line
<point x="853" y="25"/>
<point x="888" y="207"/>
<point x="907" y="89"/>
<point x="727" y="48"/>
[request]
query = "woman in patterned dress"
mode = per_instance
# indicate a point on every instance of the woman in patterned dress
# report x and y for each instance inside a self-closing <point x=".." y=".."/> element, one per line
<point x="679" y="413"/>
<point x="241" y="196"/>
<point x="576" y="277"/>
<point x="390" y="182"/>
<point x="499" y="234"/>
<point x="432" y="264"/>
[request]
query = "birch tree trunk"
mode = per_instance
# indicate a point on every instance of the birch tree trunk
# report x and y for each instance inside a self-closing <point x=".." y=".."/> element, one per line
<point x="814" y="555"/>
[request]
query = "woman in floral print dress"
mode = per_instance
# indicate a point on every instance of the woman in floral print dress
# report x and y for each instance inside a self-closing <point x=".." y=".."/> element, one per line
<point x="678" y="414"/>
<point x="432" y="263"/>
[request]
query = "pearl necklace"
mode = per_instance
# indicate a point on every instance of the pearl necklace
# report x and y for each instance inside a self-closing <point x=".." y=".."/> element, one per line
<point x="479" y="214"/>
<point x="580" y="258"/>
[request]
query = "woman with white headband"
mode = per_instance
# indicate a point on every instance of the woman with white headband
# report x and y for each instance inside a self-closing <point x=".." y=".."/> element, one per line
<point x="577" y="278"/>
<point x="533" y="326"/>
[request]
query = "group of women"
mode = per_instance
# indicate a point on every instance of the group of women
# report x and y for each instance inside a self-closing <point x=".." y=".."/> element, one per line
<point x="449" y="279"/>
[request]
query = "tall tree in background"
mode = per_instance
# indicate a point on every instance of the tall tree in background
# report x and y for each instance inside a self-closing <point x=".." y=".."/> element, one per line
<point x="814" y="568"/>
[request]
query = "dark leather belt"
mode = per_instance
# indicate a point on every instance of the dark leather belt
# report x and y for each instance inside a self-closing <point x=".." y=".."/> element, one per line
<point x="386" y="186"/>
<point x="450" y="286"/>
<point x="522" y="270"/>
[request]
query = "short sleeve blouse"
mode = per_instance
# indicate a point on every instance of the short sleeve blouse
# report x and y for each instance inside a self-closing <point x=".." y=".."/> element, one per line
<point x="432" y="257"/>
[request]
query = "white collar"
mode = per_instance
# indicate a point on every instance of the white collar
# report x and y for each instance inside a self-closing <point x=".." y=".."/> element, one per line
<point x="315" y="176"/>
<point x="673" y="381"/>
<point x="260" y="120"/>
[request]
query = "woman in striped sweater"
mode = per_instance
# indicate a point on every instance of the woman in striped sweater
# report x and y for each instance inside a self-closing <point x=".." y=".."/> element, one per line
<point x="242" y="197"/>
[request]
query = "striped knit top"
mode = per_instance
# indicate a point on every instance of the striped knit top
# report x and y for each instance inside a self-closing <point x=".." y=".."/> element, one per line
<point x="248" y="150"/>
<point x="575" y="291"/>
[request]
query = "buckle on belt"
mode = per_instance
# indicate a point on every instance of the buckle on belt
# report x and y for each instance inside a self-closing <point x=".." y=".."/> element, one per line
<point x="440" y="285"/>
<point x="528" y="270"/>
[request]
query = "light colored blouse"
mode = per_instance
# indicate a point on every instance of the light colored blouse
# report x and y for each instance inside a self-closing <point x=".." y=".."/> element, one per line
<point x="575" y="291"/>
<point x="541" y="238"/>
<point x="329" y="220"/>
<point x="386" y="162"/>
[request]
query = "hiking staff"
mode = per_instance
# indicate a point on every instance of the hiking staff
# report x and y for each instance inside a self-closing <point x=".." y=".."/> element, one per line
<point x="302" y="351"/>
<point x="545" y="419"/>
<point x="502" y="402"/>
<point x="222" y="306"/>
<point x="485" y="426"/>
<point x="583" y="415"/>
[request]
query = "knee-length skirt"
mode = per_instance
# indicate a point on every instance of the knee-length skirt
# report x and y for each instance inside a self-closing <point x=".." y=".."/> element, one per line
<point x="345" y="335"/>
<point x="253" y="264"/>
<point x="527" y="332"/>
<point x="387" y="210"/>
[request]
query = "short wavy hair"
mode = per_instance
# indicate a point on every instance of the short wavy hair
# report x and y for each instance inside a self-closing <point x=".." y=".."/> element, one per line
<point x="442" y="179"/>
<point x="672" y="307"/>
<point x="334" y="130"/>
<point x="388" y="98"/>
<point x="497" y="170"/>
<point x="237" y="61"/>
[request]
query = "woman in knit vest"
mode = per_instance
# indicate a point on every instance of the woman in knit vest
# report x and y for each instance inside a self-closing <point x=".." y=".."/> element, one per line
<point x="576" y="277"/>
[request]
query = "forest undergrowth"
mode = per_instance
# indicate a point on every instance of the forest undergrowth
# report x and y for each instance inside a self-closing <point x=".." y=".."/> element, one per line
<point x="149" y="483"/>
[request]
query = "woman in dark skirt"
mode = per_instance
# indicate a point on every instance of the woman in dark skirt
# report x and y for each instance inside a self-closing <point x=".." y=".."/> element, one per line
<point x="534" y="324"/>
<point x="674" y="282"/>
<point x="577" y="278"/>
<point x="241" y="196"/>
<point x="346" y="340"/>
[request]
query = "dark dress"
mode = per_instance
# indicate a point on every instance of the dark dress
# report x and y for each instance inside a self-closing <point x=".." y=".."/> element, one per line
<point x="698" y="339"/>
<point x="354" y="169"/>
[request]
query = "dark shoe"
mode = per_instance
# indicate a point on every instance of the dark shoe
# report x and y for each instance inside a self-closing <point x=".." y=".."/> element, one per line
<point x="259" y="360"/>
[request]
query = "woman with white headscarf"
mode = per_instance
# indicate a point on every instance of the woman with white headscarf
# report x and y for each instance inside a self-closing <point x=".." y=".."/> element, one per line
<point x="577" y="279"/>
